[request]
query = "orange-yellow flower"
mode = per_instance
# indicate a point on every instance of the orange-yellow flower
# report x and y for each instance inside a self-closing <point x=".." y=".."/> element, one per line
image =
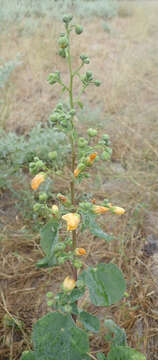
<point x="76" y="172"/>
<point x="37" y="180"/>
<point x="69" y="284"/>
<point x="80" y="251"/>
<point x="97" y="209"/>
<point x="72" y="220"/>
<point x="118" y="210"/>
<point x="91" y="158"/>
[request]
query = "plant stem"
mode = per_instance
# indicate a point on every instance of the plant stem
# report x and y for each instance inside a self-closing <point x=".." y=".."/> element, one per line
<point x="72" y="184"/>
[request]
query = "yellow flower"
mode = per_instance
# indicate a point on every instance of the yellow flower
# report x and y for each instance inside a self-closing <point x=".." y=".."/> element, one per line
<point x="37" y="180"/>
<point x="80" y="251"/>
<point x="76" y="172"/>
<point x="72" y="220"/>
<point x="68" y="283"/>
<point x="97" y="209"/>
<point x="55" y="210"/>
<point x="118" y="210"/>
<point x="91" y="158"/>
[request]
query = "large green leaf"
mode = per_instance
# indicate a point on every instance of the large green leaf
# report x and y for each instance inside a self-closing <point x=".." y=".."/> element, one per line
<point x="55" y="336"/>
<point x="49" y="238"/>
<point x="116" y="335"/>
<point x="106" y="284"/>
<point x="28" y="355"/>
<point x="89" y="321"/>
<point x="124" y="353"/>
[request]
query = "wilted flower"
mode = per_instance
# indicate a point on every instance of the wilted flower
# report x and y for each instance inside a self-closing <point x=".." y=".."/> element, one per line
<point x="97" y="209"/>
<point x="76" y="172"/>
<point x="118" y="210"/>
<point x="80" y="251"/>
<point x="72" y="220"/>
<point x="69" y="284"/>
<point x="37" y="180"/>
<point x="62" y="198"/>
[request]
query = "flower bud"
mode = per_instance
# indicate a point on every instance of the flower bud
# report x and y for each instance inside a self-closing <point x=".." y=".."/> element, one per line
<point x="92" y="132"/>
<point x="77" y="264"/>
<point x="52" y="155"/>
<point x="72" y="112"/>
<point x="78" y="29"/>
<point x="105" y="156"/>
<point x="80" y="251"/>
<point x="37" y="180"/>
<point x="67" y="19"/>
<point x="36" y="207"/>
<point x="118" y="210"/>
<point x="97" y="83"/>
<point x="68" y="309"/>
<point x="55" y="210"/>
<point x="61" y="260"/>
<point x="43" y="196"/>
<point x="82" y="142"/>
<point x="54" y="78"/>
<point x="59" y="247"/>
<point x="63" y="42"/>
<point x="97" y="209"/>
<point x="62" y="53"/>
<point x="69" y="284"/>
<point x="85" y="59"/>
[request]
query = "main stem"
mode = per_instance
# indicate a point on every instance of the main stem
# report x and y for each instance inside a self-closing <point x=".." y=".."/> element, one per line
<point x="72" y="184"/>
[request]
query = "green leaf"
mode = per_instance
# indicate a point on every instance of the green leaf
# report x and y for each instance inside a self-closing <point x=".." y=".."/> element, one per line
<point x="97" y="231"/>
<point x="55" y="336"/>
<point x="124" y="353"/>
<point x="89" y="321"/>
<point x="106" y="284"/>
<point x="116" y="335"/>
<point x="28" y="355"/>
<point x="101" y="356"/>
<point x="49" y="238"/>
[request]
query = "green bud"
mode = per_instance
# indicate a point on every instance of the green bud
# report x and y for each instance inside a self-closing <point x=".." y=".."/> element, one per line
<point x="62" y="53"/>
<point x="72" y="112"/>
<point x="36" y="207"/>
<point x="53" y="78"/>
<point x="59" y="247"/>
<point x="105" y="156"/>
<point x="49" y="294"/>
<point x="61" y="260"/>
<point x="43" y="196"/>
<point x="89" y="75"/>
<point x="59" y="106"/>
<point x="68" y="308"/>
<point x="63" y="42"/>
<point x="67" y="19"/>
<point x="77" y="264"/>
<point x="39" y="164"/>
<point x="92" y="132"/>
<point x="52" y="155"/>
<point x="85" y="59"/>
<point x="105" y="137"/>
<point x="81" y="166"/>
<point x="97" y="83"/>
<point x="78" y="29"/>
<point x="82" y="142"/>
<point x="50" y="303"/>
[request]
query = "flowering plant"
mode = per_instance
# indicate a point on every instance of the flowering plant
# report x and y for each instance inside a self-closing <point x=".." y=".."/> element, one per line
<point x="64" y="332"/>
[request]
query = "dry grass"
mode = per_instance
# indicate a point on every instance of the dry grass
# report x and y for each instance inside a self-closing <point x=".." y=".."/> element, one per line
<point x="126" y="62"/>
